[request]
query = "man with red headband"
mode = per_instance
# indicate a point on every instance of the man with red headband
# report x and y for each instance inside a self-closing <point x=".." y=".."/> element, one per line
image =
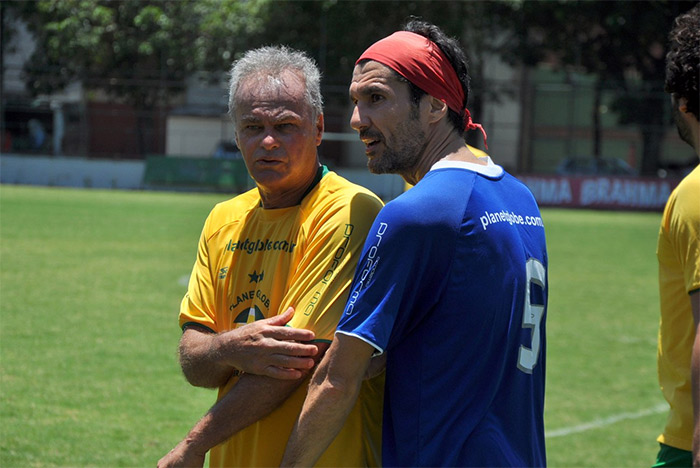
<point x="451" y="289"/>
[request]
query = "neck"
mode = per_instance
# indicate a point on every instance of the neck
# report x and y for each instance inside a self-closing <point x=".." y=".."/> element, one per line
<point x="444" y="143"/>
<point x="275" y="199"/>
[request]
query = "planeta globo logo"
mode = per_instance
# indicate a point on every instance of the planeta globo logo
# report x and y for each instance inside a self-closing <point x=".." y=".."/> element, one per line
<point x="248" y="316"/>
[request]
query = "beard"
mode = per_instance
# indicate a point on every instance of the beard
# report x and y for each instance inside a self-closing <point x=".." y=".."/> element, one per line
<point x="682" y="126"/>
<point x="403" y="152"/>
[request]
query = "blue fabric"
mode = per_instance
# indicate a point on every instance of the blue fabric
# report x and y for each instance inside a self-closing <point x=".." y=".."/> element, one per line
<point x="441" y="288"/>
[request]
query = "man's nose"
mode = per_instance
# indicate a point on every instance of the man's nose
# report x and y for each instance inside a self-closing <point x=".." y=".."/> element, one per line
<point x="269" y="141"/>
<point x="358" y="120"/>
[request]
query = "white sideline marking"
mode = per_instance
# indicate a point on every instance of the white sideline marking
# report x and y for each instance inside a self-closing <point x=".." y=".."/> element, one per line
<point x="602" y="422"/>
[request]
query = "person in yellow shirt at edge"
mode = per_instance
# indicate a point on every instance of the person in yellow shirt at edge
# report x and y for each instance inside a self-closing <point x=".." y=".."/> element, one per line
<point x="678" y="253"/>
<point x="271" y="278"/>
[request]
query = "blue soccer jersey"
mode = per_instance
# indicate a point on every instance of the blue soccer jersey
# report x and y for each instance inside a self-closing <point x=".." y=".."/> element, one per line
<point x="452" y="285"/>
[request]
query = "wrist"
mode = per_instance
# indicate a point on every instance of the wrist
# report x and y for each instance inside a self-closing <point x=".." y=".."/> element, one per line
<point x="221" y="354"/>
<point x="195" y="444"/>
<point x="225" y="349"/>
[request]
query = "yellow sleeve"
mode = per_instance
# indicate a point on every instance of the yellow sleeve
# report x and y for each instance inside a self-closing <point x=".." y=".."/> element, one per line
<point x="198" y="304"/>
<point x="333" y="244"/>
<point x="684" y="230"/>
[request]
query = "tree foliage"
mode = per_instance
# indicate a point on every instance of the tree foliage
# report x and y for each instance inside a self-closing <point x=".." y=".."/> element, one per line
<point x="621" y="43"/>
<point x="142" y="50"/>
<point x="137" y="50"/>
<point x="337" y="32"/>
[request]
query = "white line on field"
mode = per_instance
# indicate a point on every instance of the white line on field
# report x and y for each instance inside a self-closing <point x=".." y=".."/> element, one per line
<point x="602" y="422"/>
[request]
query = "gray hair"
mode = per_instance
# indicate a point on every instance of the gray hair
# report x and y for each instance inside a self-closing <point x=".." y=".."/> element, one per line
<point x="272" y="61"/>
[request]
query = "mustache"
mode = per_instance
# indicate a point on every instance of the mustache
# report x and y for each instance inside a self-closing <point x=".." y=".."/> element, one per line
<point x="370" y="135"/>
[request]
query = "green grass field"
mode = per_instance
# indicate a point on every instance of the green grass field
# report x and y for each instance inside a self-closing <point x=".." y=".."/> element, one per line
<point x="90" y="285"/>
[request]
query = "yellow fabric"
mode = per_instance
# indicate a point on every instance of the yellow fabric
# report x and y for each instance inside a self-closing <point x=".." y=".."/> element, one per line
<point x="477" y="152"/>
<point x="678" y="253"/>
<point x="253" y="263"/>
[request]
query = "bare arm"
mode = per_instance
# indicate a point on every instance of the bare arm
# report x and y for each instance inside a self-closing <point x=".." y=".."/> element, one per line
<point x="695" y="377"/>
<point x="265" y="347"/>
<point x="234" y="412"/>
<point x="333" y="391"/>
<point x="377" y="365"/>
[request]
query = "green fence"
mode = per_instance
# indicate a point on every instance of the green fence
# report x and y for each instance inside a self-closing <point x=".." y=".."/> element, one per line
<point x="199" y="174"/>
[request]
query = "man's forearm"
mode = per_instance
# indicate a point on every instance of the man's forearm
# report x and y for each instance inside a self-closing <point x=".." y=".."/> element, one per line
<point x="236" y="410"/>
<point x="201" y="364"/>
<point x="334" y="389"/>
<point x="265" y="347"/>
<point x="323" y="415"/>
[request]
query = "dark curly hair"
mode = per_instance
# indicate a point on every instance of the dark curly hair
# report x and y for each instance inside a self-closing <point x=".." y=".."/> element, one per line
<point x="683" y="59"/>
<point x="454" y="53"/>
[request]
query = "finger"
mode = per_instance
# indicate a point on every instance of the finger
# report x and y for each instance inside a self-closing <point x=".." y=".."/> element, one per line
<point x="290" y="334"/>
<point x="281" y="319"/>
<point x="293" y="362"/>
<point x="283" y="373"/>
<point x="292" y="348"/>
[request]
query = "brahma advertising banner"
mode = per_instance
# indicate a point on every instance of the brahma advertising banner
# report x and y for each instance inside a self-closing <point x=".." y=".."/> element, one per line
<point x="601" y="192"/>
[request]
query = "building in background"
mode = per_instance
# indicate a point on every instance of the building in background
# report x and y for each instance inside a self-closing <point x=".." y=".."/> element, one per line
<point x="541" y="118"/>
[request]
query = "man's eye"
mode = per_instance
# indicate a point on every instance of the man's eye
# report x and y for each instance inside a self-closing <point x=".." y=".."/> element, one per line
<point x="376" y="98"/>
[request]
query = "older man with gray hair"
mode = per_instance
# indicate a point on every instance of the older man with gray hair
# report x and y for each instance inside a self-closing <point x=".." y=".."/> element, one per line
<point x="272" y="275"/>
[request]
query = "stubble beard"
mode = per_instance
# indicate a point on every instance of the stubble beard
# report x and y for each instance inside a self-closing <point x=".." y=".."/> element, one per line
<point x="683" y="127"/>
<point x="405" y="152"/>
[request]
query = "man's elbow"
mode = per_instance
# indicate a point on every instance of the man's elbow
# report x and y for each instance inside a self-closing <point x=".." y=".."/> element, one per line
<point x="202" y="381"/>
<point x="338" y="388"/>
<point x="198" y="375"/>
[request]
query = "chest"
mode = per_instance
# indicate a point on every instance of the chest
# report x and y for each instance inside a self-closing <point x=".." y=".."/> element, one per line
<point x="254" y="266"/>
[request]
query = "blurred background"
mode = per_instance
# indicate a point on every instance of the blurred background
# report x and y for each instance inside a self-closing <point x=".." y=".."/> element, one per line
<point x="133" y="93"/>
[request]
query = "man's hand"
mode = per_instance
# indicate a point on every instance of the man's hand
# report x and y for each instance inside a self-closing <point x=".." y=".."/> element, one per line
<point x="267" y="347"/>
<point x="183" y="455"/>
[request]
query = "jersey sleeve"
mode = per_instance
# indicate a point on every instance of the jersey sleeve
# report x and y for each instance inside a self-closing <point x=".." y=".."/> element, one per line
<point x="320" y="284"/>
<point x="197" y="307"/>
<point x="403" y="258"/>
<point x="684" y="231"/>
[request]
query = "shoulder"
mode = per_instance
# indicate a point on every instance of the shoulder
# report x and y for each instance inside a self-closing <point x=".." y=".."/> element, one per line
<point x="232" y="210"/>
<point x="424" y="210"/>
<point x="683" y="201"/>
<point x="440" y="192"/>
<point x="689" y="187"/>
<point x="335" y="193"/>
<point x="518" y="189"/>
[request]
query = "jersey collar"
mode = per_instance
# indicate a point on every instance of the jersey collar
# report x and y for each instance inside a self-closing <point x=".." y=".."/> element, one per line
<point x="490" y="170"/>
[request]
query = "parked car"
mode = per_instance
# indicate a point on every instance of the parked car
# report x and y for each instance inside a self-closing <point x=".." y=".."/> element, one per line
<point x="589" y="165"/>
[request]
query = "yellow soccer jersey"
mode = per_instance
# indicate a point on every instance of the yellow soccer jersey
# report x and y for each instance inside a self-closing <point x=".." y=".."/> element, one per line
<point x="678" y="252"/>
<point x="254" y="263"/>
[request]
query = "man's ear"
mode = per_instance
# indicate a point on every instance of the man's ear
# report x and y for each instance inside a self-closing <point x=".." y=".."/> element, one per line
<point x="438" y="109"/>
<point x="319" y="129"/>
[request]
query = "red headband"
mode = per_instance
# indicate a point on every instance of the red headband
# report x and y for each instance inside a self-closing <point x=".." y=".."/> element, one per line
<point x="421" y="62"/>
